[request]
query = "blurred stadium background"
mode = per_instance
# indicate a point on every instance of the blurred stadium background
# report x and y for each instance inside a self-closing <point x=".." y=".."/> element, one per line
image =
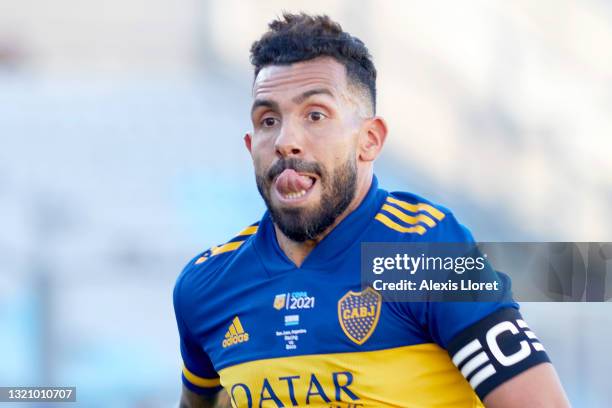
<point x="121" y="157"/>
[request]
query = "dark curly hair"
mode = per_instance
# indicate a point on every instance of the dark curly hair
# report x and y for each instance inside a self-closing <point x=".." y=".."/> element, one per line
<point x="301" y="37"/>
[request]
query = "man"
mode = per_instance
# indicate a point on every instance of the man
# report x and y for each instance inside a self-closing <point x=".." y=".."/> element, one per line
<point x="272" y="316"/>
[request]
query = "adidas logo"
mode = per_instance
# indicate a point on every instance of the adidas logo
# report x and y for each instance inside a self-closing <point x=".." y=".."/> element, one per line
<point x="235" y="334"/>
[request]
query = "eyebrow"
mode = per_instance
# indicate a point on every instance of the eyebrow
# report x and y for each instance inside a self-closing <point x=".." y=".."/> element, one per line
<point x="265" y="103"/>
<point x="297" y="99"/>
<point x="301" y="98"/>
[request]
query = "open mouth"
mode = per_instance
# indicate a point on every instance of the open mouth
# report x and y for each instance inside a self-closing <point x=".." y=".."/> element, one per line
<point x="293" y="187"/>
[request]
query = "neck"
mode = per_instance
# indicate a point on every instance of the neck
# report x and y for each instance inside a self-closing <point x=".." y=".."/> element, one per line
<point x="298" y="251"/>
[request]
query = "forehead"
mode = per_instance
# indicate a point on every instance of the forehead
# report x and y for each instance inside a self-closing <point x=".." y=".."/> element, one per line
<point x="322" y="72"/>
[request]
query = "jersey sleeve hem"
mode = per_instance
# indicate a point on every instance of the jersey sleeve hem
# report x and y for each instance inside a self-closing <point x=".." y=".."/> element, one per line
<point x="496" y="349"/>
<point x="200" y="385"/>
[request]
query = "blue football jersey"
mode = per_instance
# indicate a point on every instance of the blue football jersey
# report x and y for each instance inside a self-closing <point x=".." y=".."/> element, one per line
<point x="276" y="335"/>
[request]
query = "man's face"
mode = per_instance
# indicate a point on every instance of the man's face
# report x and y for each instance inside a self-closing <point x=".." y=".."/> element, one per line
<point x="306" y="121"/>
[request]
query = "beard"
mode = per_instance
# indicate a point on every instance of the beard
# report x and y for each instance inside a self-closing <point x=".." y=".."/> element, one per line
<point x="337" y="192"/>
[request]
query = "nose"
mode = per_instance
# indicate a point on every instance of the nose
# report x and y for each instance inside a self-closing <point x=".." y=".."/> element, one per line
<point x="288" y="143"/>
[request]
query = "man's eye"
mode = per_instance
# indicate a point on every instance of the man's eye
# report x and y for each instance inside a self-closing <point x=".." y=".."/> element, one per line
<point x="268" y="122"/>
<point x="316" y="116"/>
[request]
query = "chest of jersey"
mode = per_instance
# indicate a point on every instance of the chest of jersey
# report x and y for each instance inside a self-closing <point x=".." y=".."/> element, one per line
<point x="313" y="337"/>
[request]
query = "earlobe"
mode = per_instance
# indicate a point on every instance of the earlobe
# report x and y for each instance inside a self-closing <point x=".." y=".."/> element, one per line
<point x="375" y="134"/>
<point x="247" y="141"/>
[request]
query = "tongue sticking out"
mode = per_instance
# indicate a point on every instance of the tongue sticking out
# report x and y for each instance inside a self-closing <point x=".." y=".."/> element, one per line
<point x="289" y="181"/>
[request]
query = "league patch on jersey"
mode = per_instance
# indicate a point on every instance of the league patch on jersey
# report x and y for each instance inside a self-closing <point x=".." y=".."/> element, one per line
<point x="279" y="301"/>
<point x="358" y="313"/>
<point x="294" y="300"/>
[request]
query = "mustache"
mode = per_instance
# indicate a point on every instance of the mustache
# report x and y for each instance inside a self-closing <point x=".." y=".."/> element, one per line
<point x="298" y="165"/>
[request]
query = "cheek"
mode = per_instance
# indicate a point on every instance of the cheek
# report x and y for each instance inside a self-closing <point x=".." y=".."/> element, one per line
<point x="260" y="164"/>
<point x="337" y="150"/>
<point x="261" y="146"/>
<point x="331" y="160"/>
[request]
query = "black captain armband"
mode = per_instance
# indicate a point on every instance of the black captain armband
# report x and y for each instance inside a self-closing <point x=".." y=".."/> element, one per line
<point x="495" y="349"/>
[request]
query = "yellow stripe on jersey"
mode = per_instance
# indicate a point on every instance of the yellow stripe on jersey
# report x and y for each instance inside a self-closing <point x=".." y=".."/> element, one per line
<point x="230" y="246"/>
<point x="419" y="229"/>
<point x="409" y="218"/>
<point x="439" y="215"/>
<point x="200" y="381"/>
<point x="216" y="250"/>
<point x="248" y="230"/>
<point x="411" y="376"/>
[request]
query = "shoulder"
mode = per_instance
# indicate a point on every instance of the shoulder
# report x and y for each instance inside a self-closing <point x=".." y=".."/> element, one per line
<point x="204" y="267"/>
<point x="409" y="216"/>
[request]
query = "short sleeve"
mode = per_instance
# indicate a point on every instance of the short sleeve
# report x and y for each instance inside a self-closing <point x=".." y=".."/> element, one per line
<point x="489" y="342"/>
<point x="444" y="320"/>
<point x="198" y="373"/>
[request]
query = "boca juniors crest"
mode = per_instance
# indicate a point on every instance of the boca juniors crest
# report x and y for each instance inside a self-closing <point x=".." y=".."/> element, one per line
<point x="358" y="313"/>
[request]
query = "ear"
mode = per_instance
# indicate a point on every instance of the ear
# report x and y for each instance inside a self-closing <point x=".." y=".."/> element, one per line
<point x="373" y="138"/>
<point x="247" y="141"/>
